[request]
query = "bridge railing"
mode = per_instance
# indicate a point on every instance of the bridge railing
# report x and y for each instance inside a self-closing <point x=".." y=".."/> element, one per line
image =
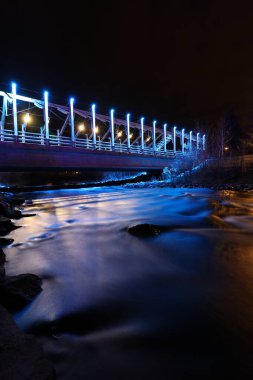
<point x="25" y="137"/>
<point x="6" y="135"/>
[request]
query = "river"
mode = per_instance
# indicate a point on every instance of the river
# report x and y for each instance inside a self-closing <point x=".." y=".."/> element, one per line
<point x="118" y="306"/>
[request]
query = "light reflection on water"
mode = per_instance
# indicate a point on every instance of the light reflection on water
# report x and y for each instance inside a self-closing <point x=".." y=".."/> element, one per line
<point x="119" y="306"/>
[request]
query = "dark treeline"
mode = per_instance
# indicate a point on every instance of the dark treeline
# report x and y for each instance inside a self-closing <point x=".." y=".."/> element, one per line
<point x="228" y="135"/>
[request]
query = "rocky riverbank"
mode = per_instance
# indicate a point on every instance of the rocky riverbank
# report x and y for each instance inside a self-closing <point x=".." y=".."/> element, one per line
<point x="21" y="357"/>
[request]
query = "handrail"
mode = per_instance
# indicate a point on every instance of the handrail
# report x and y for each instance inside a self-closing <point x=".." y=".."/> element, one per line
<point x="25" y="137"/>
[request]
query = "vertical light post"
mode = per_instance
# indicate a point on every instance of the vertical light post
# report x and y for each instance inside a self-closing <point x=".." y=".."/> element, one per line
<point x="128" y="130"/>
<point x="154" y="137"/>
<point x="142" y="133"/>
<point x="94" y="137"/>
<point x="112" y="129"/>
<point x="46" y="119"/>
<point x="72" y="121"/>
<point x="204" y="142"/>
<point x="14" y="108"/>
<point x="182" y="140"/>
<point x="197" y="141"/>
<point x="190" y="141"/>
<point x="174" y="139"/>
<point x="165" y="138"/>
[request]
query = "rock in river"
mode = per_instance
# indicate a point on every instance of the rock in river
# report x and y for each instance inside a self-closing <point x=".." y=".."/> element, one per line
<point x="21" y="357"/>
<point x="5" y="242"/>
<point x="6" y="226"/>
<point x="18" y="291"/>
<point x="145" y="230"/>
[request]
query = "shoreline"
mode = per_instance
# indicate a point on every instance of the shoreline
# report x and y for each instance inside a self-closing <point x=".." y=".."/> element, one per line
<point x="21" y="356"/>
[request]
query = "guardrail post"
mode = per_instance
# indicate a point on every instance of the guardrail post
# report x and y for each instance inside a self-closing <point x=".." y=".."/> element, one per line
<point x="1" y="132"/>
<point x="23" y="133"/>
<point x="190" y="142"/>
<point x="42" y="140"/>
<point x="58" y="137"/>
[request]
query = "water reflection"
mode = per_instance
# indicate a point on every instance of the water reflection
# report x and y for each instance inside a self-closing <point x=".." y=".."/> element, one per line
<point x="117" y="306"/>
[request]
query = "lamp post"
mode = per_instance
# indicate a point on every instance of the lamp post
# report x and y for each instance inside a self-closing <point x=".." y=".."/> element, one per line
<point x="142" y="133"/>
<point x="112" y="129"/>
<point x="154" y="136"/>
<point x="165" y="137"/>
<point x="14" y="108"/>
<point x="174" y="140"/>
<point x="182" y="140"/>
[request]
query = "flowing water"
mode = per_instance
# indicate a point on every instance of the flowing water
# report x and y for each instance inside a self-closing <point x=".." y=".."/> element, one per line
<point x="117" y="306"/>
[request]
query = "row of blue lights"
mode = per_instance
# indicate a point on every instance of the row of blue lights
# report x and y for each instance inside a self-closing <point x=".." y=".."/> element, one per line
<point x="93" y="107"/>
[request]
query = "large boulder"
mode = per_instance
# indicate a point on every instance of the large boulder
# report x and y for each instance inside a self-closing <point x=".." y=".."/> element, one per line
<point x="13" y="199"/>
<point x="145" y="230"/>
<point x="17" y="291"/>
<point x="8" y="210"/>
<point x="21" y="357"/>
<point x="6" y="226"/>
<point x="2" y="257"/>
<point x="5" y="242"/>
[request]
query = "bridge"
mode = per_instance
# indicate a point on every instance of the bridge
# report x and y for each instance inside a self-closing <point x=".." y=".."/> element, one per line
<point x="36" y="134"/>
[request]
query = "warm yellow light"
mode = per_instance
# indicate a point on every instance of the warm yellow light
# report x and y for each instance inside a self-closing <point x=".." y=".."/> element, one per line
<point x="81" y="127"/>
<point x="119" y="133"/>
<point x="131" y="135"/>
<point x="148" y="139"/>
<point x="96" y="129"/>
<point x="27" y="118"/>
<point x="226" y="148"/>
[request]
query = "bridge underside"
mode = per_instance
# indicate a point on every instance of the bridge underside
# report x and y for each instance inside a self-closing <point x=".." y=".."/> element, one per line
<point x="27" y="157"/>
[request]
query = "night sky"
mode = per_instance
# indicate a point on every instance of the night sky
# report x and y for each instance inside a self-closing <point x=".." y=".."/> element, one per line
<point x="176" y="61"/>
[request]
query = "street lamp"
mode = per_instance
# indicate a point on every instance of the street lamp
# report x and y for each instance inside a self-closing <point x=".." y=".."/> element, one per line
<point x="81" y="128"/>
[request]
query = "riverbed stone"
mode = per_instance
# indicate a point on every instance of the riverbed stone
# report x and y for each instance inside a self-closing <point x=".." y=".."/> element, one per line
<point x="2" y="257"/>
<point x="6" y="226"/>
<point x="5" y="242"/>
<point x="21" y="356"/>
<point x="17" y="291"/>
<point x="145" y="230"/>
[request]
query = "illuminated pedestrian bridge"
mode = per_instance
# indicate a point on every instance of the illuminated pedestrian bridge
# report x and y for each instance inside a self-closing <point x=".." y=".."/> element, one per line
<point x="36" y="134"/>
